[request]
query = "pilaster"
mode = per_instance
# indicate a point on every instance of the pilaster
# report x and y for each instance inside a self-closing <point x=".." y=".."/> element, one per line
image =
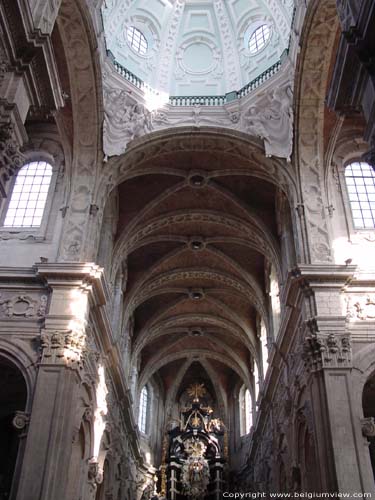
<point x="67" y="348"/>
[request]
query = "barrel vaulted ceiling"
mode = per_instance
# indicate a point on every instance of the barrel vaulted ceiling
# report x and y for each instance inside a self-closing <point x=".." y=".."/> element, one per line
<point x="197" y="47"/>
<point x="197" y="231"/>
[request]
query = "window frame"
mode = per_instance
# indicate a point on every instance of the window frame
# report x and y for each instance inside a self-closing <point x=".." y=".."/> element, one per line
<point x="35" y="231"/>
<point x="266" y="40"/>
<point x="134" y="29"/>
<point x="246" y="420"/>
<point x="346" y="197"/>
<point x="144" y="432"/>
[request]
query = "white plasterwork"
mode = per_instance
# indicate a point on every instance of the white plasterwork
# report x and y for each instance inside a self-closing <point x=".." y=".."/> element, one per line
<point x="265" y="113"/>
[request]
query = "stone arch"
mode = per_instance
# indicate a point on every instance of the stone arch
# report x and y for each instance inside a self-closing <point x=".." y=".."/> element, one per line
<point x="78" y="36"/>
<point x="13" y="424"/>
<point x="312" y="75"/>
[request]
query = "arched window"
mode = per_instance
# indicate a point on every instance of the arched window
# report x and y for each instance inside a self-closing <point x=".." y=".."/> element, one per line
<point x="144" y="401"/>
<point x="246" y="411"/>
<point x="360" y="182"/>
<point x="29" y="195"/>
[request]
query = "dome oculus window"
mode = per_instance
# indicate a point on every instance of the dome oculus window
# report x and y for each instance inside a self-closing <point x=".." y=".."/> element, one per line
<point x="29" y="195"/>
<point x="137" y="40"/>
<point x="360" y="183"/>
<point x="259" y="39"/>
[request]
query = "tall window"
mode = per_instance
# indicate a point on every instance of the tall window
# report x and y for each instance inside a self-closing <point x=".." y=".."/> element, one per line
<point x="29" y="195"/>
<point x="248" y="412"/>
<point x="143" y="410"/>
<point x="360" y="182"/>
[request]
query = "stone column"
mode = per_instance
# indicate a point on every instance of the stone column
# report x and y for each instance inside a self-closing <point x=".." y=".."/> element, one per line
<point x="65" y="345"/>
<point x="328" y="359"/>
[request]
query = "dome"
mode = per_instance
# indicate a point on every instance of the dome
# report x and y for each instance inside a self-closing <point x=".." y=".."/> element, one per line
<point x="197" y="47"/>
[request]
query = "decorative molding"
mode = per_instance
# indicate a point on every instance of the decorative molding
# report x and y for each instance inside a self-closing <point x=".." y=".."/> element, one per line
<point x="272" y="121"/>
<point x="311" y="92"/>
<point x="64" y="347"/>
<point x="368" y="427"/>
<point x="327" y="351"/>
<point x="360" y="307"/>
<point x="11" y="159"/>
<point x="44" y="13"/>
<point x="21" y="420"/>
<point x="26" y="306"/>
<point x="124" y="120"/>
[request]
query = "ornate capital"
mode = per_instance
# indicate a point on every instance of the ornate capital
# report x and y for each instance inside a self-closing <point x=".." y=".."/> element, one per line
<point x="327" y="351"/>
<point x="64" y="347"/>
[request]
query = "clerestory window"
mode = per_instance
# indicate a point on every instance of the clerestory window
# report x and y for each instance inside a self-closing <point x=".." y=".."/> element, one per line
<point x="29" y="195"/>
<point x="144" y="401"/>
<point x="246" y="411"/>
<point x="360" y="183"/>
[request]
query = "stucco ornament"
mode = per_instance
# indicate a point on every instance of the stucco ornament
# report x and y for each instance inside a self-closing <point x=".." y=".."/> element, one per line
<point x="272" y="120"/>
<point x="124" y="120"/>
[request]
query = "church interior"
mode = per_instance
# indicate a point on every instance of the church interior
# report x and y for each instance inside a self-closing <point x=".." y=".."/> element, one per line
<point x="187" y="243"/>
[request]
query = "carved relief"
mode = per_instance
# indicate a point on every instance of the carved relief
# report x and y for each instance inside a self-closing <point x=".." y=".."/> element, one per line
<point x="272" y="121"/>
<point x="361" y="308"/>
<point x="328" y="351"/>
<point x="124" y="120"/>
<point x="11" y="160"/>
<point x="24" y="306"/>
<point x="368" y="427"/>
<point x="64" y="347"/>
<point x="78" y="238"/>
<point x="312" y="95"/>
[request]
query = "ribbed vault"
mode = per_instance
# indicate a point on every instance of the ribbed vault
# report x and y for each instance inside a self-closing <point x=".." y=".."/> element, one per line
<point x="199" y="229"/>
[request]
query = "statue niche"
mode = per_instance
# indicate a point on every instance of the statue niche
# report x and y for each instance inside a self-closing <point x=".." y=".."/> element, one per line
<point x="195" y="461"/>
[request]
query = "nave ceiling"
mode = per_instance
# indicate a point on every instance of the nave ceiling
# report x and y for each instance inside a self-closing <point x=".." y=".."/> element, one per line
<point x="197" y="235"/>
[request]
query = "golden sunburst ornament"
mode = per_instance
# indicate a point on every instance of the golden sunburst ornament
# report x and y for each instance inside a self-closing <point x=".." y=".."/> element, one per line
<point x="196" y="391"/>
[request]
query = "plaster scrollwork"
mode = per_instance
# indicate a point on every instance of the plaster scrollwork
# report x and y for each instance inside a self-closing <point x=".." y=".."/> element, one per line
<point x="21" y="420"/>
<point x="361" y="308"/>
<point x="272" y="120"/>
<point x="327" y="351"/>
<point x="24" y="306"/>
<point x="124" y="120"/>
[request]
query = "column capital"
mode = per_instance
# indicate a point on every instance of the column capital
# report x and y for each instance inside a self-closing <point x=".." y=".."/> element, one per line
<point x="329" y="350"/>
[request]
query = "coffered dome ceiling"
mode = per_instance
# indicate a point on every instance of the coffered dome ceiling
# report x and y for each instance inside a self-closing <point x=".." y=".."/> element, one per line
<point x="197" y="47"/>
